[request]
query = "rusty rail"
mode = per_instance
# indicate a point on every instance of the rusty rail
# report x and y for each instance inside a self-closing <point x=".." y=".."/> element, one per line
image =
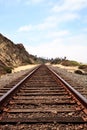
<point x="81" y="98"/>
<point x="42" y="97"/>
<point x="15" y="88"/>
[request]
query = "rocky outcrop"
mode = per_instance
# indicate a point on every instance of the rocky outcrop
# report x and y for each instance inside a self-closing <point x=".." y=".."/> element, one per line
<point x="13" y="55"/>
<point x="2" y="68"/>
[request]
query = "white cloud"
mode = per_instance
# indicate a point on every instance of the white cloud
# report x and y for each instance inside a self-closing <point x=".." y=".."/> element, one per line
<point x="45" y="26"/>
<point x="56" y="49"/>
<point x="70" y="5"/>
<point x="63" y="43"/>
<point x="50" y="22"/>
<point x="74" y="48"/>
<point x="39" y="27"/>
<point x="80" y="39"/>
<point x="55" y="34"/>
<point x="25" y="28"/>
<point x="62" y="18"/>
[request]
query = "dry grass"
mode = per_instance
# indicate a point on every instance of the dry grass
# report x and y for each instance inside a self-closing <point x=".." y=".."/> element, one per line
<point x="23" y="68"/>
<point x="68" y="68"/>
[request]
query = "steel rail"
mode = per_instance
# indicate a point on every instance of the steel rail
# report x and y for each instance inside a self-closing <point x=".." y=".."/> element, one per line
<point x="16" y="87"/>
<point x="79" y="96"/>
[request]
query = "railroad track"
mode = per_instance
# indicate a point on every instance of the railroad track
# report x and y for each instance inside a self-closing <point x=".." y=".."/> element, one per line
<point x="42" y="100"/>
<point x="74" y="83"/>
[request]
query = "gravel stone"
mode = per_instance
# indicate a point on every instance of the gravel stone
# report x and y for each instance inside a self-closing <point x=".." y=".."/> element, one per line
<point x="8" y="78"/>
<point x="73" y="79"/>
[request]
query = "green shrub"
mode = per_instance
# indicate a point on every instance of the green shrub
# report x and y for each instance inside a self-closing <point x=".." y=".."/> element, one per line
<point x="83" y="67"/>
<point x="70" y="63"/>
<point x="56" y="61"/>
<point x="8" y="69"/>
<point x="78" y="72"/>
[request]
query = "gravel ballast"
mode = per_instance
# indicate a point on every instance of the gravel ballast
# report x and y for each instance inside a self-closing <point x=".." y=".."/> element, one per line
<point x="73" y="79"/>
<point x="9" y="78"/>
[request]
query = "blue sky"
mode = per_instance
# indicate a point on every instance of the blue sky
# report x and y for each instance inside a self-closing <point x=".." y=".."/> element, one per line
<point x="47" y="28"/>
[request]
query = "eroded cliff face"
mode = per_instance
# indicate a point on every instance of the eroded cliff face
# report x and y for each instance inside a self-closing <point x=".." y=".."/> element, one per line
<point x="2" y="68"/>
<point x="13" y="55"/>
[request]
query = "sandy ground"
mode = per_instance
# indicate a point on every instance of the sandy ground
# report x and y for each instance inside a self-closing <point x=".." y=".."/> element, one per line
<point x="17" y="73"/>
<point x="68" y="68"/>
<point x="23" y="68"/>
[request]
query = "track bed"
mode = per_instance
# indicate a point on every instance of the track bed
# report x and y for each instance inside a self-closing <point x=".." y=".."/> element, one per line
<point x="42" y="102"/>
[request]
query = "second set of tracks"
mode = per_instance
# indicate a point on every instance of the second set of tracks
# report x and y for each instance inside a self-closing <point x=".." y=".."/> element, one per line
<point x="42" y="98"/>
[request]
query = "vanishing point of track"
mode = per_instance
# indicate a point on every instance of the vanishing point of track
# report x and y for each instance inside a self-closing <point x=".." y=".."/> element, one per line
<point x="42" y="98"/>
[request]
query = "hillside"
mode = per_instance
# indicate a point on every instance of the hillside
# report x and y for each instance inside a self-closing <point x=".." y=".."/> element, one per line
<point x="13" y="55"/>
